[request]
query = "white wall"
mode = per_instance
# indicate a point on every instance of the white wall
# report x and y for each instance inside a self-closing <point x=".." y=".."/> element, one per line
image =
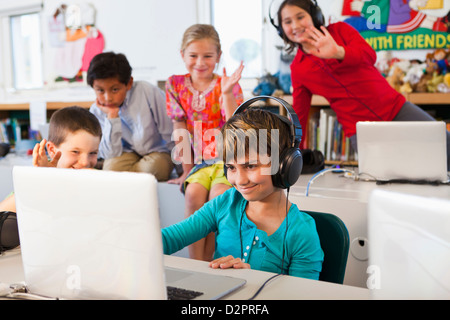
<point x="148" y="32"/>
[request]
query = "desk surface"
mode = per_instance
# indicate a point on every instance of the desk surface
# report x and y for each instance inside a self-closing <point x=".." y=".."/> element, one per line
<point x="283" y="287"/>
<point x="333" y="185"/>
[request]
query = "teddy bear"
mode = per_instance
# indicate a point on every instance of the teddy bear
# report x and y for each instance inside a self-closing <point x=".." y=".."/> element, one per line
<point x="395" y="78"/>
<point x="431" y="67"/>
<point x="412" y="76"/>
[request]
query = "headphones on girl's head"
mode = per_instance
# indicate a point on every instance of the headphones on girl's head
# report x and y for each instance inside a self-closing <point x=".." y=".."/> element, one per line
<point x="291" y="161"/>
<point x="315" y="12"/>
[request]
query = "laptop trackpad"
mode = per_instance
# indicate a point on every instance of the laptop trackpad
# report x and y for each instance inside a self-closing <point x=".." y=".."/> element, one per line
<point x="175" y="275"/>
<point x="212" y="286"/>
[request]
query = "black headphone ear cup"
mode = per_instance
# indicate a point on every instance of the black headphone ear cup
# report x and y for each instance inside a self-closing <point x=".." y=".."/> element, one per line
<point x="280" y="31"/>
<point x="9" y="231"/>
<point x="317" y="15"/>
<point x="225" y="168"/>
<point x="290" y="168"/>
<point x="319" y="19"/>
<point x="313" y="161"/>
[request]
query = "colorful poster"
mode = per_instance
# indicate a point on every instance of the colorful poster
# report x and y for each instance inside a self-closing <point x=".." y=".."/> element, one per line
<point x="400" y="24"/>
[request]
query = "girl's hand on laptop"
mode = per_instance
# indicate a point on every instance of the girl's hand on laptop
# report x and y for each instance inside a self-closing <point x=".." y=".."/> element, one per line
<point x="40" y="158"/>
<point x="229" y="262"/>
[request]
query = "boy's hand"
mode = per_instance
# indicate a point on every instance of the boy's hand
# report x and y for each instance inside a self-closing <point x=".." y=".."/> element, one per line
<point x="229" y="262"/>
<point x="40" y="157"/>
<point x="111" y="112"/>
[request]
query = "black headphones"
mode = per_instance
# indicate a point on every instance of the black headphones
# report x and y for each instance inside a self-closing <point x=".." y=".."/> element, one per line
<point x="9" y="232"/>
<point x="316" y="15"/>
<point x="291" y="161"/>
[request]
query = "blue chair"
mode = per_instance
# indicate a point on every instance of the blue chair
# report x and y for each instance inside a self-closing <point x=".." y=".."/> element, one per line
<point x="335" y="243"/>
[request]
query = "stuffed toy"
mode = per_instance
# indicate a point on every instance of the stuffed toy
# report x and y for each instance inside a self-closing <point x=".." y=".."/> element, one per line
<point x="433" y="83"/>
<point x="414" y="74"/>
<point x="395" y="79"/>
<point x="440" y="57"/>
<point x="431" y="67"/>
<point x="444" y="87"/>
<point x="406" y="88"/>
<point x="266" y="85"/>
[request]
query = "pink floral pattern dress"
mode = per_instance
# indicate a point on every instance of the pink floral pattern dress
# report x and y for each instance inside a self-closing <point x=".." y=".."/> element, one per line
<point x="202" y="111"/>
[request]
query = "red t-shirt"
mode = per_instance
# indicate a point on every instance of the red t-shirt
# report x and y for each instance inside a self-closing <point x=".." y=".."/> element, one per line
<point x="355" y="89"/>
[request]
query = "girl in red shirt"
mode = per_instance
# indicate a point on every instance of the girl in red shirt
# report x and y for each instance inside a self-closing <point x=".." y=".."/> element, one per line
<point x="338" y="64"/>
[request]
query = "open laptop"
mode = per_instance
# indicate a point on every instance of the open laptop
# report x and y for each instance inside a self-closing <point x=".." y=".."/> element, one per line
<point x="92" y="234"/>
<point x="406" y="151"/>
<point x="409" y="246"/>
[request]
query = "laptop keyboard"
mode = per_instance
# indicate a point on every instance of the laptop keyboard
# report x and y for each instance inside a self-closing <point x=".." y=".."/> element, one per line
<point x="174" y="293"/>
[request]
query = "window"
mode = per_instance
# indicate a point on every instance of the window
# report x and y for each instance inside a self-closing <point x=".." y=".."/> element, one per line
<point x="26" y="51"/>
<point x="239" y="43"/>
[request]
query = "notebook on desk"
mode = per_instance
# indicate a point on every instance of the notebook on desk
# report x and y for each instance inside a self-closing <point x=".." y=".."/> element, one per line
<point x="405" y="151"/>
<point x="92" y="234"/>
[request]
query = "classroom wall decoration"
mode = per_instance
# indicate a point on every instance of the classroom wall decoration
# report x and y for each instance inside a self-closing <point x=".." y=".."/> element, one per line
<point x="75" y="40"/>
<point x="400" y="24"/>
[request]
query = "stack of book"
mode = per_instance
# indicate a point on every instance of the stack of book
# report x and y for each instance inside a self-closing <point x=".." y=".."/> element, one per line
<point x="326" y="135"/>
<point x="13" y="130"/>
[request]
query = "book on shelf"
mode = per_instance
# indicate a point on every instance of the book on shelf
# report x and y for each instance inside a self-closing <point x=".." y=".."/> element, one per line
<point x="13" y="130"/>
<point x="326" y="135"/>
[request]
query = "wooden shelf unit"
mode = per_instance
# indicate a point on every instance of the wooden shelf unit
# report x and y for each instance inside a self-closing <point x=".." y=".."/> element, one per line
<point x="416" y="98"/>
<point x="50" y="105"/>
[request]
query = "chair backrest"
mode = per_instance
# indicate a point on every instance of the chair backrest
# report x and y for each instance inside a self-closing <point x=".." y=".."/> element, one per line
<point x="335" y="242"/>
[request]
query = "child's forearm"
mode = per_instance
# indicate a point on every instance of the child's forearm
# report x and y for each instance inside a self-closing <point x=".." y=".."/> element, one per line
<point x="229" y="104"/>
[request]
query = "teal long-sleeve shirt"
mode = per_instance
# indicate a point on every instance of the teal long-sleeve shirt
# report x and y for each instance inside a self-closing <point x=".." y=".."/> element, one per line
<point x="236" y="235"/>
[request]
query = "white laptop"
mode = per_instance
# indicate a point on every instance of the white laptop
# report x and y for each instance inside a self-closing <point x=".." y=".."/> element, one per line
<point x="409" y="246"/>
<point x="92" y="234"/>
<point x="409" y="151"/>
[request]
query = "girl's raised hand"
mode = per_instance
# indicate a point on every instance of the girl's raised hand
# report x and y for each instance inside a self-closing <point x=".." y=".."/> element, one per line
<point x="228" y="262"/>
<point x="228" y="82"/>
<point x="321" y="45"/>
<point x="40" y="157"/>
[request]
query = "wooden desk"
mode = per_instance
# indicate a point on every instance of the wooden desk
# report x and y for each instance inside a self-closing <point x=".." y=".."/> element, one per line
<point x="281" y="288"/>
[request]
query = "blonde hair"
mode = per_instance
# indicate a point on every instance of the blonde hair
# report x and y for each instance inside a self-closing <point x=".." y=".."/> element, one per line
<point x="199" y="32"/>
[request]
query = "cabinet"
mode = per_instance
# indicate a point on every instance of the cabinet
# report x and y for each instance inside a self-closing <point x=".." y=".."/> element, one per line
<point x="437" y="104"/>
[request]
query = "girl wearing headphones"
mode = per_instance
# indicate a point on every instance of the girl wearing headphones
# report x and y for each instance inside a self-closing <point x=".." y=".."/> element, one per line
<point x="255" y="224"/>
<point x="338" y="64"/>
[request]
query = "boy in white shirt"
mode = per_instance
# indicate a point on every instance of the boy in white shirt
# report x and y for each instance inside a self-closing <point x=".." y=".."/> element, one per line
<point x="136" y="129"/>
<point x="73" y="139"/>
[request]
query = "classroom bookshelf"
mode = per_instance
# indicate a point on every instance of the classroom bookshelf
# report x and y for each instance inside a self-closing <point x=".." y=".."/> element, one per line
<point x="15" y="120"/>
<point x="324" y="133"/>
<point x="437" y="104"/>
